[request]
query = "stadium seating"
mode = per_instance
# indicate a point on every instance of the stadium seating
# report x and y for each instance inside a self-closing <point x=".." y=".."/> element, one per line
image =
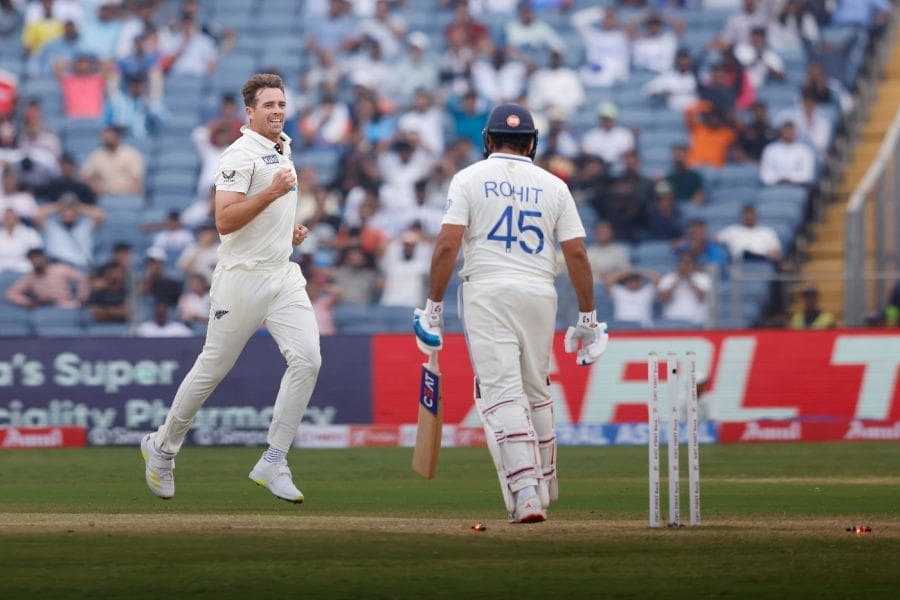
<point x="271" y="34"/>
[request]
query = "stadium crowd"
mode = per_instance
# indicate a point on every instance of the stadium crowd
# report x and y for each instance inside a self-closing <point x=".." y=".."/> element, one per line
<point x="692" y="133"/>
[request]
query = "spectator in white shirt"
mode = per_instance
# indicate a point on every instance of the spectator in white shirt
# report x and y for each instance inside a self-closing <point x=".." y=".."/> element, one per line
<point x="210" y="145"/>
<point x="683" y="293"/>
<point x="678" y="86"/>
<point x="609" y="141"/>
<point x="414" y="70"/>
<point x="190" y="51"/>
<point x="160" y="326"/>
<point x="633" y="294"/>
<point x="760" y="61"/>
<point x="555" y="87"/>
<point x="606" y="48"/>
<point x="426" y="121"/>
<point x="499" y="79"/>
<point x="328" y="124"/>
<point x="385" y="28"/>
<point x="16" y="239"/>
<point x="794" y="29"/>
<point x="529" y="33"/>
<point x="655" y="49"/>
<point x="13" y="196"/>
<point x="173" y="237"/>
<point x="787" y="161"/>
<point x="405" y="265"/>
<point x="368" y="67"/>
<point x="750" y="240"/>
<point x="194" y="303"/>
<point x="738" y="26"/>
<point x="405" y="163"/>
<point x="812" y="126"/>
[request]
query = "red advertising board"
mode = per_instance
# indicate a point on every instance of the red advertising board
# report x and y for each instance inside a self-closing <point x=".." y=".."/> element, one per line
<point x="839" y="376"/>
<point x="42" y="437"/>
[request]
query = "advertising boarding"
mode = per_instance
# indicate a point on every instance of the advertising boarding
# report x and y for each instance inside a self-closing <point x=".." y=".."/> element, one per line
<point x="759" y="386"/>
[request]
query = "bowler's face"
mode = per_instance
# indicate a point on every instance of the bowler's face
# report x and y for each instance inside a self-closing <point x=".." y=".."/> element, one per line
<point x="267" y="116"/>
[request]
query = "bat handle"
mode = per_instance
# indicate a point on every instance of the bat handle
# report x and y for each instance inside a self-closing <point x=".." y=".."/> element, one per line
<point x="433" y="360"/>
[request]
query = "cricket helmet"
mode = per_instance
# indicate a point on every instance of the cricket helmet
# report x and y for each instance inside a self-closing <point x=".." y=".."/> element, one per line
<point x="509" y="119"/>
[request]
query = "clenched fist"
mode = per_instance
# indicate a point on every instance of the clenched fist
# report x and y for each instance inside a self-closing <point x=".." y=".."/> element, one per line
<point x="282" y="182"/>
<point x="300" y="233"/>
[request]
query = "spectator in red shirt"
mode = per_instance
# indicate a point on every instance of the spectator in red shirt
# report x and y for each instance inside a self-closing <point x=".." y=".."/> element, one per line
<point x="83" y="88"/>
<point x="476" y="33"/>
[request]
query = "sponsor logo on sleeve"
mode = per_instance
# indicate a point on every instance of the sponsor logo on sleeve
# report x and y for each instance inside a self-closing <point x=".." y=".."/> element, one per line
<point x="228" y="176"/>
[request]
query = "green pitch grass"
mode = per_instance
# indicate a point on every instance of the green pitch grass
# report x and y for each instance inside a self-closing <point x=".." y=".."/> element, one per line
<point x="81" y="524"/>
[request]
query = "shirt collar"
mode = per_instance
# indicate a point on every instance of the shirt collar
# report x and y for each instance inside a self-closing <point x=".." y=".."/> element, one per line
<point x="510" y="156"/>
<point x="285" y="139"/>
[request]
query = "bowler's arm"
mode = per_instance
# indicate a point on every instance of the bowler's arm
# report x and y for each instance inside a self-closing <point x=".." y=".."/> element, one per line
<point x="236" y="209"/>
<point x="443" y="260"/>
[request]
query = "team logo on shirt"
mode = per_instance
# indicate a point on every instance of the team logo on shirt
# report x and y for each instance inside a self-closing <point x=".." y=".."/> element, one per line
<point x="228" y="176"/>
<point x="219" y="314"/>
<point x="513" y="120"/>
<point x="270" y="159"/>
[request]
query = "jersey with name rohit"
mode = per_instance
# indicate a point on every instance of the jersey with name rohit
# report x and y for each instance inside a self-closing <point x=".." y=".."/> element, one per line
<point x="514" y="212"/>
<point x="247" y="166"/>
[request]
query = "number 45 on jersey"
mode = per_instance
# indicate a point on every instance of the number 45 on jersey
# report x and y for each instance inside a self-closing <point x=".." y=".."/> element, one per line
<point x="502" y="231"/>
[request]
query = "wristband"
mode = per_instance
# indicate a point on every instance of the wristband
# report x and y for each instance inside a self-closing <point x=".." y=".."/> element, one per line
<point x="434" y="308"/>
<point x="587" y="319"/>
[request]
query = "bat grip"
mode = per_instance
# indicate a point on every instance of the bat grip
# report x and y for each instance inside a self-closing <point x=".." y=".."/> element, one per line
<point x="433" y="361"/>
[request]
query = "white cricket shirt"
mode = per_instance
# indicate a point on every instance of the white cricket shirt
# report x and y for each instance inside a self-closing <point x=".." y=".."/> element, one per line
<point x="247" y="166"/>
<point x="514" y="212"/>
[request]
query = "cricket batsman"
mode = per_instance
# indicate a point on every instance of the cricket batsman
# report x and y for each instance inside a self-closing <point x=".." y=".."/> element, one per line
<point x="508" y="215"/>
<point x="254" y="283"/>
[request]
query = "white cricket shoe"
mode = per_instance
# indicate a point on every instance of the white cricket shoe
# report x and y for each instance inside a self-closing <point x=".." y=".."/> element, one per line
<point x="528" y="511"/>
<point x="277" y="478"/>
<point x="158" y="469"/>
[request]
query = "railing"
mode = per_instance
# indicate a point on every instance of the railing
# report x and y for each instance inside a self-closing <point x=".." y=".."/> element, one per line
<point x="872" y="226"/>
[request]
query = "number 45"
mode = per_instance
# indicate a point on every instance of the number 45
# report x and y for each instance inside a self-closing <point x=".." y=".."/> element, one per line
<point x="505" y="223"/>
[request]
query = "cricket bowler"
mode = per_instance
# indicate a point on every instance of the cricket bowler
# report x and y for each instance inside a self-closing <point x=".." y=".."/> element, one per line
<point x="254" y="283"/>
<point x="508" y="214"/>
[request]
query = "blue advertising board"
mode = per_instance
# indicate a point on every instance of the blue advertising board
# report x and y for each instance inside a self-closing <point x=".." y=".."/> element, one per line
<point x="120" y="388"/>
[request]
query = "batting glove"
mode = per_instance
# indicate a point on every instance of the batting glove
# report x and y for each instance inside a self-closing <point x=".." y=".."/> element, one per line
<point x="590" y="334"/>
<point x="428" y="326"/>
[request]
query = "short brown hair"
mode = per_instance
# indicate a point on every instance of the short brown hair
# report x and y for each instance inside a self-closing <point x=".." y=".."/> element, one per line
<point x="259" y="82"/>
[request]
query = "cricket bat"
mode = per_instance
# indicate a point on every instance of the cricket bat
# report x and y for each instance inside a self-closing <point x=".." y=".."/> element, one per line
<point x="431" y="417"/>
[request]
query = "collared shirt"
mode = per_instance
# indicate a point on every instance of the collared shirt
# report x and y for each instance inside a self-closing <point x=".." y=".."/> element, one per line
<point x="794" y="163"/>
<point x="120" y="171"/>
<point x="247" y="167"/>
<point x="514" y="212"/>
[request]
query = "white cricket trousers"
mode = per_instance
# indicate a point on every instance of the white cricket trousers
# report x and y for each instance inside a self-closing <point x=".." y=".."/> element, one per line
<point x="509" y="325"/>
<point x="242" y="300"/>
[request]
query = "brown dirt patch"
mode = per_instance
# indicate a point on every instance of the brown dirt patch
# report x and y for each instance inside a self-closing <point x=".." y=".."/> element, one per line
<point x="37" y="523"/>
